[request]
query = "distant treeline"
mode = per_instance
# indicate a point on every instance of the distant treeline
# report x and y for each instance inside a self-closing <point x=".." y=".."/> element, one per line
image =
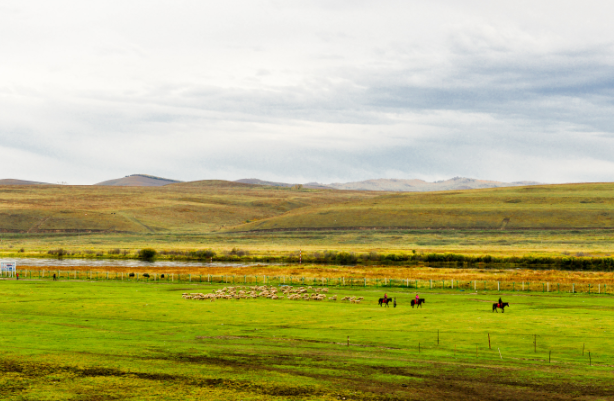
<point x="352" y="258"/>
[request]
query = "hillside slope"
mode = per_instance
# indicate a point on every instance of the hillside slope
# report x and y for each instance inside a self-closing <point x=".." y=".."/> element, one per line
<point x="138" y="180"/>
<point x="532" y="207"/>
<point x="200" y="206"/>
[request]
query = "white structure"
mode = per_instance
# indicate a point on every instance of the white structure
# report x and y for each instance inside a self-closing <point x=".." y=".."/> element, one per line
<point x="9" y="267"/>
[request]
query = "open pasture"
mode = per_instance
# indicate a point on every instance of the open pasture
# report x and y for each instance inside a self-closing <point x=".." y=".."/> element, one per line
<point x="113" y="340"/>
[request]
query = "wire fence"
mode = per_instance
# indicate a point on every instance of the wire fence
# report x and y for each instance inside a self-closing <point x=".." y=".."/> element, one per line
<point x="350" y="282"/>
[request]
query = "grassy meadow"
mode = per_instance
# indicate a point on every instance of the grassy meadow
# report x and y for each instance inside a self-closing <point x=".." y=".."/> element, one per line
<point x="77" y="340"/>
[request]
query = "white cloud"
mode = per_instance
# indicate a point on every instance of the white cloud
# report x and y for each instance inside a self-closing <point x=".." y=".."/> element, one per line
<point x="288" y="90"/>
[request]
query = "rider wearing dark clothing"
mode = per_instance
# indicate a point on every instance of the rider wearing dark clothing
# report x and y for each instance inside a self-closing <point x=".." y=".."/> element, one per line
<point x="500" y="302"/>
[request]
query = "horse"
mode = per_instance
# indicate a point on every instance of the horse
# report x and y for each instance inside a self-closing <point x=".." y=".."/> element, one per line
<point x="419" y="303"/>
<point x="384" y="301"/>
<point x="500" y="306"/>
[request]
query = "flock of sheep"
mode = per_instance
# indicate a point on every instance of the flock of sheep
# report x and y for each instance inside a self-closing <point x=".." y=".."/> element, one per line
<point x="295" y="294"/>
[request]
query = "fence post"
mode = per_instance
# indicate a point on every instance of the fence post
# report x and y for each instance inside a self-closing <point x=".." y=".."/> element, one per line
<point x="488" y="341"/>
<point x="589" y="288"/>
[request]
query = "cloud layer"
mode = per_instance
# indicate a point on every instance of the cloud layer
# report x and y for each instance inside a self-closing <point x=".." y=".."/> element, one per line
<point x="317" y="91"/>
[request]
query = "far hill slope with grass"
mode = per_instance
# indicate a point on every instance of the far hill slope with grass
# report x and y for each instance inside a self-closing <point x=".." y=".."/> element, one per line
<point x="581" y="206"/>
<point x="11" y="181"/>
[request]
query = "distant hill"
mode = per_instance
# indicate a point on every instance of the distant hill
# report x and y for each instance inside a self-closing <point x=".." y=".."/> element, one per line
<point x="10" y="181"/>
<point x="255" y="181"/>
<point x="138" y="180"/>
<point x="455" y="183"/>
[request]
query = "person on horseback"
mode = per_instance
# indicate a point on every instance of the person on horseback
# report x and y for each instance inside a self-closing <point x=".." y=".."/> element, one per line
<point x="417" y="299"/>
<point x="500" y="302"/>
<point x="385" y="298"/>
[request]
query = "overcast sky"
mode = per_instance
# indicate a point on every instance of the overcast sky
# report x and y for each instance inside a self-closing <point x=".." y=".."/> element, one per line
<point x="327" y="91"/>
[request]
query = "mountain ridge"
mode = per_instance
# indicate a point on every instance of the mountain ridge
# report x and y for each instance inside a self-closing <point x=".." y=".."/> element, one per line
<point x="139" y="180"/>
<point x="401" y="185"/>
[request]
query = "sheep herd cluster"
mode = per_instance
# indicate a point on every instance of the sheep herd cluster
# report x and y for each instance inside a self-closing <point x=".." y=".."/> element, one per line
<point x="295" y="294"/>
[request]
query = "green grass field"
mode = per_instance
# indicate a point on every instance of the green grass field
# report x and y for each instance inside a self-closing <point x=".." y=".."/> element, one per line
<point x="111" y="340"/>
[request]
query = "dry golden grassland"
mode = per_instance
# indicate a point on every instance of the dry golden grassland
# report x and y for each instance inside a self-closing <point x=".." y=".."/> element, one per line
<point x="554" y="220"/>
<point x="191" y="207"/>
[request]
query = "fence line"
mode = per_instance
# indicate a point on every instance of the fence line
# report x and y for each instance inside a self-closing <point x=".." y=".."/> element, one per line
<point x="475" y="285"/>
